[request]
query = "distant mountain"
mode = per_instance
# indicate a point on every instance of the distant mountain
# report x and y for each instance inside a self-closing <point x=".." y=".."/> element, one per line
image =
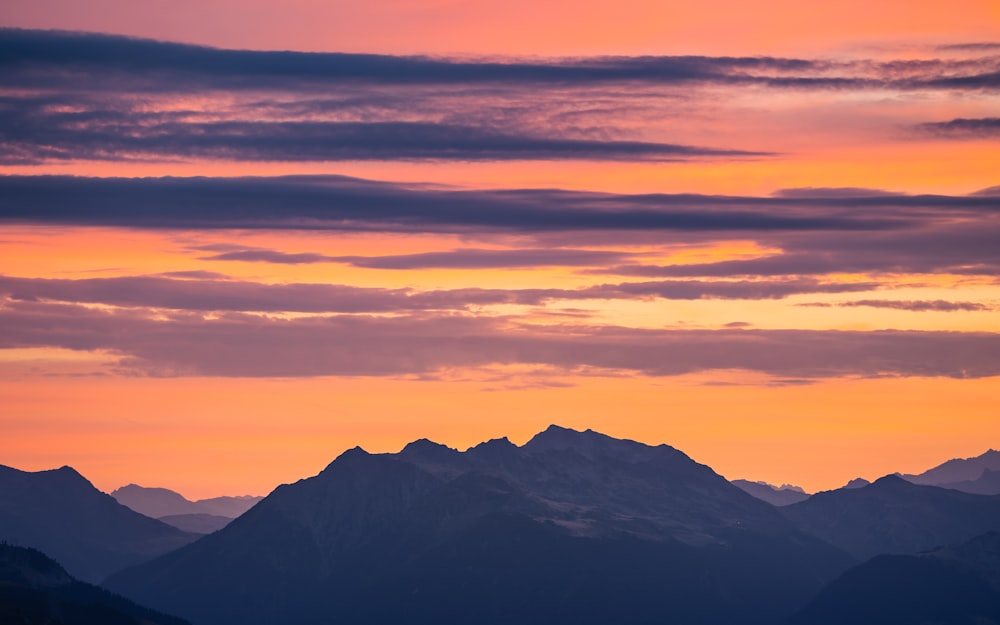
<point x="858" y="482"/>
<point x="950" y="586"/>
<point x="197" y="523"/>
<point x="572" y="527"/>
<point x="958" y="470"/>
<point x="35" y="590"/>
<point x="892" y="515"/>
<point x="775" y="495"/>
<point x="987" y="484"/>
<point x="161" y="502"/>
<point x="60" y="513"/>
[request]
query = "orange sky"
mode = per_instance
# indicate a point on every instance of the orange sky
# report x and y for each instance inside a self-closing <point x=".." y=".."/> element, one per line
<point x="113" y="400"/>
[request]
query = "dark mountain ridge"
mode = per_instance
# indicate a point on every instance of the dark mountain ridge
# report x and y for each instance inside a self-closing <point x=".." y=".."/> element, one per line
<point x="60" y="513"/>
<point x="571" y="527"/>
<point x="892" y="515"/>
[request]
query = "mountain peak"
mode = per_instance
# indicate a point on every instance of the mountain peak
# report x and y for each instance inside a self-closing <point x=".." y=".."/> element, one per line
<point x="893" y="480"/>
<point x="348" y="455"/>
<point x="558" y="437"/>
<point x="425" y="446"/>
<point x="495" y="443"/>
<point x="858" y="482"/>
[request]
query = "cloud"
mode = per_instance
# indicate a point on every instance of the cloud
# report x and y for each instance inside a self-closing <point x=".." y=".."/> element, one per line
<point x="938" y="245"/>
<point x="964" y="128"/>
<point x="35" y="136"/>
<point x="342" y="203"/>
<point x="195" y="292"/>
<point x="54" y="59"/>
<point x="241" y="345"/>
<point x="912" y="305"/>
<point x="487" y="259"/>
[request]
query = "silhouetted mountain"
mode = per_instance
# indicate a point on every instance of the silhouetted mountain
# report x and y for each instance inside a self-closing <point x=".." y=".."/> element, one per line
<point x="987" y="484"/>
<point x="892" y="515"/>
<point x="858" y="482"/>
<point x="61" y="513"/>
<point x="573" y="527"/>
<point x="957" y="585"/>
<point x="197" y="523"/>
<point x="774" y="495"/>
<point x="958" y="470"/>
<point x="161" y="502"/>
<point x="35" y="590"/>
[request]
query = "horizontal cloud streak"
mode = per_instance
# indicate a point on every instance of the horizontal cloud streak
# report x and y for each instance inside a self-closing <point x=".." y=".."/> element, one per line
<point x="912" y="305"/>
<point x="964" y="128"/>
<point x="341" y="203"/>
<point x="207" y="295"/>
<point x="36" y="137"/>
<point x="41" y="59"/>
<point x="254" y="346"/>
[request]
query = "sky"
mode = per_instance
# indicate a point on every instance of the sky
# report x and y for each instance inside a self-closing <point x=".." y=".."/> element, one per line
<point x="238" y="238"/>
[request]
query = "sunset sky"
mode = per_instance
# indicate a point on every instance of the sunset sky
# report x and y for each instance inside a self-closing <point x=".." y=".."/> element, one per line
<point x="240" y="237"/>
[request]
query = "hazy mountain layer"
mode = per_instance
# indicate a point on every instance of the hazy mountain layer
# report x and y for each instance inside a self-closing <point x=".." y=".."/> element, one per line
<point x="958" y="470"/>
<point x="161" y="502"/>
<point x="774" y="495"/>
<point x="197" y="523"/>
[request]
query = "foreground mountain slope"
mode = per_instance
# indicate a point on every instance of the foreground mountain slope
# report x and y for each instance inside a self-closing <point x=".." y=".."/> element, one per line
<point x="956" y="585"/>
<point x="892" y="515"/>
<point x="35" y="590"/>
<point x="571" y="527"/>
<point x="161" y="502"/>
<point x="60" y="513"/>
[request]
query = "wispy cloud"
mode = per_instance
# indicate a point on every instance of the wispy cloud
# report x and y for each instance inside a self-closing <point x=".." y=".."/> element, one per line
<point x="911" y="305"/>
<point x="254" y="346"/>
<point x="964" y="128"/>
<point x="200" y="294"/>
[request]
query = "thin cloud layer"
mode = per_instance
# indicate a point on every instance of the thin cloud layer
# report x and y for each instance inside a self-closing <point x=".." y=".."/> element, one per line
<point x="341" y="203"/>
<point x="962" y="128"/>
<point x="911" y="305"/>
<point x="205" y="294"/>
<point x="239" y="345"/>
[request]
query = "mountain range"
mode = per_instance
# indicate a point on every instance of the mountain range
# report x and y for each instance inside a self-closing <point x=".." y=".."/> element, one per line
<point x="60" y="513"/>
<point x="571" y="527"/>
